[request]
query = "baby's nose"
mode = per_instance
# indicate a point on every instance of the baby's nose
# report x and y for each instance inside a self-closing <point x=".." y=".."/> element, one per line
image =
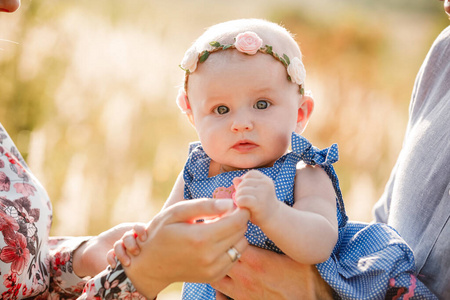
<point x="242" y="123"/>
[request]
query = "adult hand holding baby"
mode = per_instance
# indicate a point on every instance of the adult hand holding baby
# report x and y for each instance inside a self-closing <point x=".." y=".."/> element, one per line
<point x="256" y="191"/>
<point x="292" y="281"/>
<point x="205" y="245"/>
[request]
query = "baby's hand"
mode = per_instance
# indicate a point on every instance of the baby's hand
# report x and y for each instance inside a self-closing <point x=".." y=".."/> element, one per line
<point x="256" y="192"/>
<point x="127" y="246"/>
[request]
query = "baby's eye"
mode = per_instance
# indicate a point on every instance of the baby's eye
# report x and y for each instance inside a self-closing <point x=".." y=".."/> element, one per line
<point x="221" y="110"/>
<point x="262" y="104"/>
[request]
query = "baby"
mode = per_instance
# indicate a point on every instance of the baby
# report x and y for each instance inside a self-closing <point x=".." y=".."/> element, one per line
<point x="244" y="95"/>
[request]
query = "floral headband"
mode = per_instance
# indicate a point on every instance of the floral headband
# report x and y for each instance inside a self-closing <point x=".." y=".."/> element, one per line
<point x="249" y="43"/>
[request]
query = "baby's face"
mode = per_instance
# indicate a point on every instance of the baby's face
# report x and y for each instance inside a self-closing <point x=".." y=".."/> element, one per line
<point x="244" y="108"/>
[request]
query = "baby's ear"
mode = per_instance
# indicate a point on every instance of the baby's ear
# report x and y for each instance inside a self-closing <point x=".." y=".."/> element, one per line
<point x="190" y="117"/>
<point x="184" y="105"/>
<point x="306" y="107"/>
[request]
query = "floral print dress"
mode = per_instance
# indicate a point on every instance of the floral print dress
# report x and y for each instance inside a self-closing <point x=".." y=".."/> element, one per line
<point x="32" y="264"/>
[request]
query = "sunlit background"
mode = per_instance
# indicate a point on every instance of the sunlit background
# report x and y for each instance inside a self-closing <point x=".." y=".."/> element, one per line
<point x="87" y="92"/>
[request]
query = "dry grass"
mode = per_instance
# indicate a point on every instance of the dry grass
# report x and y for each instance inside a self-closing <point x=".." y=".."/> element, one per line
<point x="87" y="91"/>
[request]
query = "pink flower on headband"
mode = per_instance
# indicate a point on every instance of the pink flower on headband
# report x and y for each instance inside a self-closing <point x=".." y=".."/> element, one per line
<point x="248" y="42"/>
<point x="182" y="100"/>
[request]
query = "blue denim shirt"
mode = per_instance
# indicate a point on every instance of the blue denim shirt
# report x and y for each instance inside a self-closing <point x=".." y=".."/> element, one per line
<point x="416" y="201"/>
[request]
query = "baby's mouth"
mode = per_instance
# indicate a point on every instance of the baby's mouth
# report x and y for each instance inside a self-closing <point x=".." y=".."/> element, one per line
<point x="244" y="146"/>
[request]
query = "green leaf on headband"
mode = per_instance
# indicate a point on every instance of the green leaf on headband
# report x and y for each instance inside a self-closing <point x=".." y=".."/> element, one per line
<point x="227" y="46"/>
<point x="302" y="91"/>
<point x="287" y="59"/>
<point x="269" y="49"/>
<point x="186" y="70"/>
<point x="215" y="44"/>
<point x="283" y="61"/>
<point x="204" y="56"/>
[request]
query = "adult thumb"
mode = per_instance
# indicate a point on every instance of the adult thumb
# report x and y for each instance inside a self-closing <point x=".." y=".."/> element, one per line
<point x="189" y="211"/>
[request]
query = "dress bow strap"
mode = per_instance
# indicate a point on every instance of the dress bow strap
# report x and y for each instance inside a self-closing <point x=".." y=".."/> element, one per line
<point x="312" y="155"/>
<point x="324" y="158"/>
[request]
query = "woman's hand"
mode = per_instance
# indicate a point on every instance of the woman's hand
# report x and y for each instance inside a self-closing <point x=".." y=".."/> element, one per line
<point x="262" y="274"/>
<point x="179" y="249"/>
<point x="90" y="258"/>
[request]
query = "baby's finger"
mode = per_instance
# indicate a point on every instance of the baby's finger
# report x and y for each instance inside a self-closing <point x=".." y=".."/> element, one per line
<point x="130" y="243"/>
<point x="140" y="232"/>
<point x="121" y="253"/>
<point x="247" y="200"/>
<point x="254" y="174"/>
<point x="255" y="182"/>
<point x="111" y="258"/>
<point x="237" y="181"/>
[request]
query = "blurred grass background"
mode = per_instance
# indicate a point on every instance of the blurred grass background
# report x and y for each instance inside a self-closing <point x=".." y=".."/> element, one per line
<point x="87" y="92"/>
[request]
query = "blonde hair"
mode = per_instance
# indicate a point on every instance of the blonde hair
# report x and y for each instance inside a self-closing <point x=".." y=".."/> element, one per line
<point x="263" y="36"/>
<point x="271" y="33"/>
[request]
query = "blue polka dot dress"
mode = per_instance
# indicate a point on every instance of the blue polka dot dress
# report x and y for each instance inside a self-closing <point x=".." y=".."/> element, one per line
<point x="368" y="261"/>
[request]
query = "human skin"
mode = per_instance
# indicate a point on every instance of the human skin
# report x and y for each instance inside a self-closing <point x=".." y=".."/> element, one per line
<point x="272" y="262"/>
<point x="262" y="274"/>
<point x="244" y="110"/>
<point x="9" y="5"/>
<point x="237" y="284"/>
<point x="90" y="258"/>
<point x="242" y="136"/>
<point x="204" y="245"/>
<point x="447" y="7"/>
<point x="175" y="245"/>
<point x="256" y="259"/>
<point x="229" y="286"/>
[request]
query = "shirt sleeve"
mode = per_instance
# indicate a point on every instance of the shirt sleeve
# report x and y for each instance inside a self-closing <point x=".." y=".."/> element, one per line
<point x="64" y="283"/>
<point x="110" y="284"/>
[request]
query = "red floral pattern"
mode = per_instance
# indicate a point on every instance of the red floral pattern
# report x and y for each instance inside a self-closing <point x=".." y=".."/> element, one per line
<point x="15" y="252"/>
<point x="28" y="267"/>
<point x="111" y="284"/>
<point x="32" y="265"/>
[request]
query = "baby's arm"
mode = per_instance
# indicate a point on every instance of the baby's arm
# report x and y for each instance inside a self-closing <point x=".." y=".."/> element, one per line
<point x="307" y="232"/>
<point x="177" y="193"/>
